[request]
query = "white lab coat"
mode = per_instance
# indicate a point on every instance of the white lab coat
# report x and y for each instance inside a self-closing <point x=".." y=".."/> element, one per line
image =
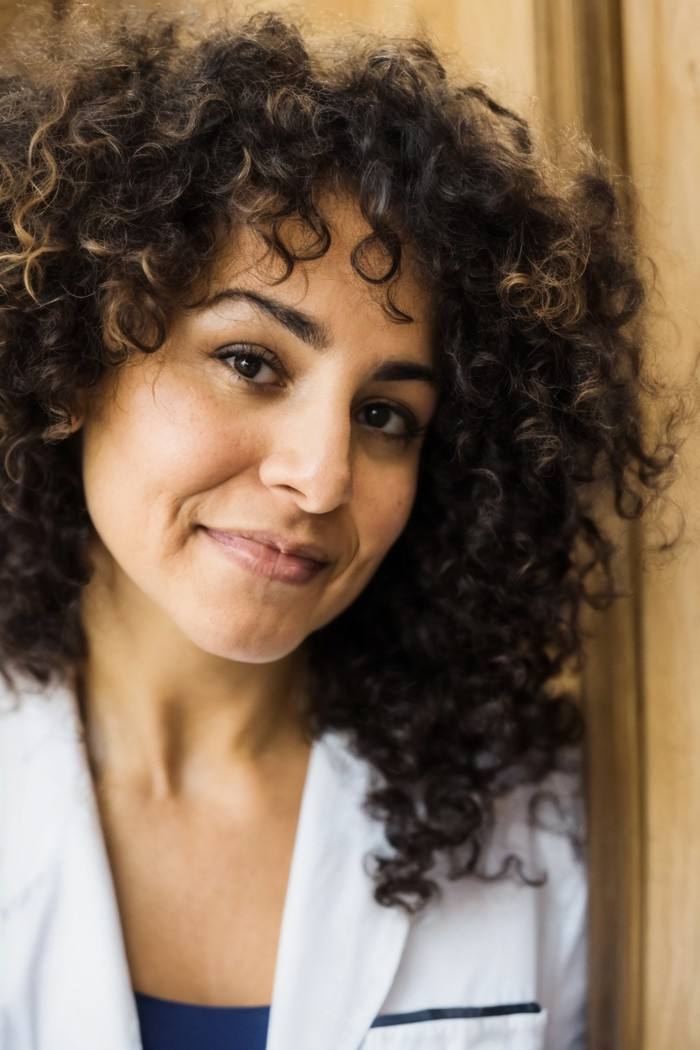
<point x="342" y="958"/>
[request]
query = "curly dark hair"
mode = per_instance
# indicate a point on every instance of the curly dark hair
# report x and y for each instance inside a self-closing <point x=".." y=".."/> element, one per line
<point x="126" y="147"/>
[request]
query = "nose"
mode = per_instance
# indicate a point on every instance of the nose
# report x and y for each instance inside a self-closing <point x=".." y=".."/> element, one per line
<point x="310" y="454"/>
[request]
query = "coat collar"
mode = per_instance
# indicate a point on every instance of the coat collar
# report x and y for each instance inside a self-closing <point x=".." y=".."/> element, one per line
<point x="338" y="949"/>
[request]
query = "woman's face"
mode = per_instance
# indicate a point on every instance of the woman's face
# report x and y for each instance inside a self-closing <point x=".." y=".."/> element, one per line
<point x="265" y="411"/>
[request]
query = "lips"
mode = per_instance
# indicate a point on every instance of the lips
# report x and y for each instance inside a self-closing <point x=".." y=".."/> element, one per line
<point x="287" y="545"/>
<point x="265" y="559"/>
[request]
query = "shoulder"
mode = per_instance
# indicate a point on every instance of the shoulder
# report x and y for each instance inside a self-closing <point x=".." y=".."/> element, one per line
<point x="544" y="824"/>
<point x="39" y="730"/>
<point x="514" y="931"/>
<point x="540" y="911"/>
<point x="40" y="769"/>
<point x="549" y="822"/>
<point x="31" y="712"/>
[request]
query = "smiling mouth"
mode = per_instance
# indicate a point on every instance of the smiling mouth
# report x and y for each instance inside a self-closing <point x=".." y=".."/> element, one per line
<point x="264" y="560"/>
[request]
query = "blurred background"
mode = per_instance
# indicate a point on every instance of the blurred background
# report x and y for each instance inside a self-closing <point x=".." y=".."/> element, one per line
<point x="627" y="72"/>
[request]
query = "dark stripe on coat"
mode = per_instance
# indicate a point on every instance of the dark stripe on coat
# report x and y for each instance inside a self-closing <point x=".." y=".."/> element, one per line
<point x="437" y="1013"/>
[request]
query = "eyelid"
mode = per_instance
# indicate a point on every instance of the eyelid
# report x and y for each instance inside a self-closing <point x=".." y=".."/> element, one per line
<point x="268" y="356"/>
<point x="413" y="427"/>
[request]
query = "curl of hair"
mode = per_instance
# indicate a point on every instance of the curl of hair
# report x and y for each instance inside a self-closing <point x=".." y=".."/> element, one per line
<point x="125" y="153"/>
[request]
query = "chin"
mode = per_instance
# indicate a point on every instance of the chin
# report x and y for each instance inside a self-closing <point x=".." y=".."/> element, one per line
<point x="241" y="646"/>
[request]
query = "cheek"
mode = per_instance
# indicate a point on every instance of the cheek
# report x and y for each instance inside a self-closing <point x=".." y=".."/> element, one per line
<point x="151" y="453"/>
<point x="380" y="512"/>
<point x="384" y="513"/>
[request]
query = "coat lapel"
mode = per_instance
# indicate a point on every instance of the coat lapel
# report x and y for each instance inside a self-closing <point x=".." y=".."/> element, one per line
<point x="338" y="950"/>
<point x="70" y="977"/>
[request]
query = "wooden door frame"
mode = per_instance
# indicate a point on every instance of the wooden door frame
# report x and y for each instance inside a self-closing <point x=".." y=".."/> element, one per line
<point x="580" y="66"/>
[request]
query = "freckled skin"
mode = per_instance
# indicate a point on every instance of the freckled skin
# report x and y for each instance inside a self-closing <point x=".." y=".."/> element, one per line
<point x="194" y="681"/>
<point x="177" y="439"/>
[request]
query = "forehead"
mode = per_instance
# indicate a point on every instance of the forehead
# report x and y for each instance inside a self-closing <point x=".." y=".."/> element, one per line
<point x="329" y="287"/>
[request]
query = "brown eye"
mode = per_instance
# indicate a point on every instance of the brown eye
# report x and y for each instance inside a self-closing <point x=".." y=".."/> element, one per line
<point x="378" y="415"/>
<point x="249" y="364"/>
<point x="391" y="421"/>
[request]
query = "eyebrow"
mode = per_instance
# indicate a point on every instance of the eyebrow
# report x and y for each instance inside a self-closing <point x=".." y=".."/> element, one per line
<point x="315" y="333"/>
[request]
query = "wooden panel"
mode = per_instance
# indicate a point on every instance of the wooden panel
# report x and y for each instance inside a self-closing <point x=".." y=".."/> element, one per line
<point x="662" y="69"/>
<point x="580" y="77"/>
<point x="8" y="10"/>
<point x="613" y="681"/>
<point x="613" y="692"/>
<point x="498" y="42"/>
<point x="559" y="56"/>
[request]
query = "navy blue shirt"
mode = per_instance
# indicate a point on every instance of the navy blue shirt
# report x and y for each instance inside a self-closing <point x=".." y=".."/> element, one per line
<point x="169" y="1025"/>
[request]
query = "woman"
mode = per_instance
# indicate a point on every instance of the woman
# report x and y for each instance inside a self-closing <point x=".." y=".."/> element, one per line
<point x="311" y="365"/>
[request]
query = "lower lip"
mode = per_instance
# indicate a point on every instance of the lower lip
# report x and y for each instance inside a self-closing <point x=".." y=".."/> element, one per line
<point x="264" y="560"/>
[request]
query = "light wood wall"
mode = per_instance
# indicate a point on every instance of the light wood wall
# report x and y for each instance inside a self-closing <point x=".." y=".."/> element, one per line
<point x="628" y="73"/>
<point x="661" y="61"/>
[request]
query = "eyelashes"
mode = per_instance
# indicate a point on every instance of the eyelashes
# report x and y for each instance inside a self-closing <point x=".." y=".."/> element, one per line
<point x="249" y="359"/>
<point x="246" y="362"/>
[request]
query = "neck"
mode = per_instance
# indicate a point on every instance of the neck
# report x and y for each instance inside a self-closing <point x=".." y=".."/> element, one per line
<point x="167" y="719"/>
